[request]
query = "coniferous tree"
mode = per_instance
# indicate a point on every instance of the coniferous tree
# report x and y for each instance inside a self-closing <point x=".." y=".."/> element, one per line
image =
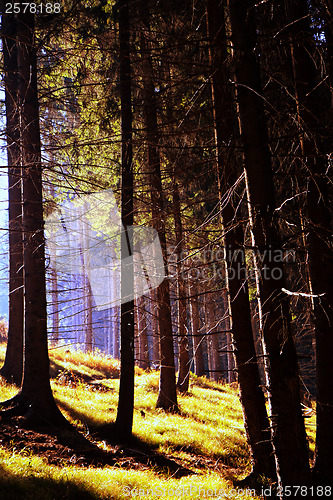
<point x="124" y="419"/>
<point x="167" y="397"/>
<point x="184" y="358"/>
<point x="35" y="397"/>
<point x="13" y="365"/>
<point x="312" y="102"/>
<point x="288" y="430"/>
<point x="252" y="397"/>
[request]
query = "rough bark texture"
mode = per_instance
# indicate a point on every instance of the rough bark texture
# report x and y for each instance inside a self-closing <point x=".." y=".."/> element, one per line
<point x="13" y="365"/>
<point x="289" y="437"/>
<point x="167" y="397"/>
<point x="36" y="391"/>
<point x="155" y="327"/>
<point x="142" y="333"/>
<point x="215" y="363"/>
<point x="197" y="339"/>
<point x="256" y="421"/>
<point x="311" y="108"/>
<point x="184" y="358"/>
<point x="124" y="419"/>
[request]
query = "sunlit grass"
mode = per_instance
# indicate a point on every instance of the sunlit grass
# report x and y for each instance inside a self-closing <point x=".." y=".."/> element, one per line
<point x="30" y="477"/>
<point x="209" y="425"/>
<point x="6" y="390"/>
<point x="91" y="364"/>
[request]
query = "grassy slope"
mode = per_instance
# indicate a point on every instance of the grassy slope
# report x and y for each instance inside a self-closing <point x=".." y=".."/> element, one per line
<point x="208" y="431"/>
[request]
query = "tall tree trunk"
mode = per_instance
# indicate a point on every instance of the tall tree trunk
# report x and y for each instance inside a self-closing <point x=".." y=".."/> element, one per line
<point x="124" y="419"/>
<point x="55" y="306"/>
<point x="115" y="321"/>
<point x="35" y="395"/>
<point x="88" y="315"/>
<point x="289" y="436"/>
<point x="87" y="292"/>
<point x="311" y="107"/>
<point x="13" y="365"/>
<point x="155" y="327"/>
<point x="256" y="421"/>
<point x="184" y="358"/>
<point x="143" y="336"/>
<point x="226" y="325"/>
<point x="167" y="397"/>
<point x="197" y="339"/>
<point x="215" y="365"/>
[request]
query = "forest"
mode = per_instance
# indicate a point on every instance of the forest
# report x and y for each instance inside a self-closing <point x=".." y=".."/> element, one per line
<point x="170" y="251"/>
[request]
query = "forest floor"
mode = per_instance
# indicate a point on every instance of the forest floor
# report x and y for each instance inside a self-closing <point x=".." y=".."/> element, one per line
<point x="200" y="453"/>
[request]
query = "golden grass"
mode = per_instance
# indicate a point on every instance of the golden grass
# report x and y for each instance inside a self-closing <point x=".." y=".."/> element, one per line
<point x="210" y="426"/>
<point x="93" y="364"/>
<point x="32" y="477"/>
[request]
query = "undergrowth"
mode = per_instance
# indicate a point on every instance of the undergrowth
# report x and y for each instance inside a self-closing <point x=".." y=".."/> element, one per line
<point x="207" y="437"/>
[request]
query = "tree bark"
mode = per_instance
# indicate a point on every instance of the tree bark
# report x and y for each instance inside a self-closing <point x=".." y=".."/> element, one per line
<point x="155" y="327"/>
<point x="124" y="419"/>
<point x="143" y="336"/>
<point x="184" y="358"/>
<point x="311" y="108"/>
<point x="215" y="364"/>
<point x="89" y="339"/>
<point x="197" y="339"/>
<point x="289" y="436"/>
<point x="55" y="306"/>
<point x="35" y="394"/>
<point x="256" y="421"/>
<point x="167" y="397"/>
<point x="13" y="365"/>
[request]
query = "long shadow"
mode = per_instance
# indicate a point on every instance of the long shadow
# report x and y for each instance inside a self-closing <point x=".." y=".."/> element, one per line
<point x="15" y="487"/>
<point x="74" y="375"/>
<point x="135" y="448"/>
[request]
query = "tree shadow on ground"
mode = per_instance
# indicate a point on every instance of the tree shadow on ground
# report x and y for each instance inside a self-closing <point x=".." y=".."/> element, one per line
<point x="134" y="452"/>
<point x="74" y="375"/>
<point x="32" y="487"/>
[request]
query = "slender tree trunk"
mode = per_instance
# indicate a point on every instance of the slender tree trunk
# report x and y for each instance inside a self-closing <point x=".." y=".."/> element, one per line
<point x="289" y="436"/>
<point x="13" y="365"/>
<point x="184" y="358"/>
<point x="311" y="108"/>
<point x="88" y="314"/>
<point x="115" y="321"/>
<point x="87" y="292"/>
<point x="55" y="306"/>
<point x="143" y="337"/>
<point x="155" y="327"/>
<point x="124" y="419"/>
<point x="215" y="367"/>
<point x="197" y="339"/>
<point x="167" y="397"/>
<point x="226" y="326"/>
<point x="256" y="421"/>
<point x="35" y="395"/>
<point x="136" y="333"/>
